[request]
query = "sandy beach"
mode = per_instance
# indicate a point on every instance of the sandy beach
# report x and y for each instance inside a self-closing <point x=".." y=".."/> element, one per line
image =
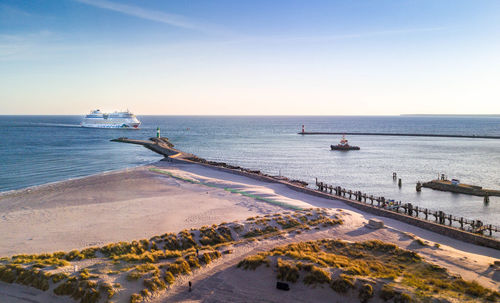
<point x="142" y="202"/>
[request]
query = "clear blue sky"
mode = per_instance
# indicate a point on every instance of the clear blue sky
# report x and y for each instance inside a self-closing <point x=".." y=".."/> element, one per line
<point x="250" y="57"/>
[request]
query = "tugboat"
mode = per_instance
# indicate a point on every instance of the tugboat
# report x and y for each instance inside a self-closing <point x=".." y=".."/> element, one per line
<point x="344" y="145"/>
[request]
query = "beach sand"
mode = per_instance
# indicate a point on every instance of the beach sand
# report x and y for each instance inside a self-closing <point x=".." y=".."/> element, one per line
<point x="140" y="203"/>
<point x="111" y="207"/>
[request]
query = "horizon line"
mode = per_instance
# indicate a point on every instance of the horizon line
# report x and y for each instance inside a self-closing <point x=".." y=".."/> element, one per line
<point x="272" y="115"/>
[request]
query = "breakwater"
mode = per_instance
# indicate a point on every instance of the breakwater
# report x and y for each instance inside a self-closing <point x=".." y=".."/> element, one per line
<point x="399" y="135"/>
<point x="160" y="146"/>
<point x="410" y="216"/>
<point x="164" y="147"/>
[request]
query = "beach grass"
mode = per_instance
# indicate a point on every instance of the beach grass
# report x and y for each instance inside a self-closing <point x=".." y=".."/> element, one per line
<point x="392" y="272"/>
<point x="155" y="263"/>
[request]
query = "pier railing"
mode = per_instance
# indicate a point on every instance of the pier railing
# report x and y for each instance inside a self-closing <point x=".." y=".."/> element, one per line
<point x="431" y="215"/>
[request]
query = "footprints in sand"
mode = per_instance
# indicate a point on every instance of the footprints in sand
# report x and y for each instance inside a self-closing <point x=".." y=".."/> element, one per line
<point x="211" y="215"/>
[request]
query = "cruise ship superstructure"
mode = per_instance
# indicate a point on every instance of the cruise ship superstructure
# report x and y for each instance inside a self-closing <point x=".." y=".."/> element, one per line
<point x="98" y="119"/>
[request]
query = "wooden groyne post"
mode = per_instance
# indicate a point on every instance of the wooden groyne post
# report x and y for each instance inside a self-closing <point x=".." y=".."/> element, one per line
<point x="441" y="218"/>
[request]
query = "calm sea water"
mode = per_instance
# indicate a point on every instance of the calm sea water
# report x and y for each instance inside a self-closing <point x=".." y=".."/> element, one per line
<point x="41" y="149"/>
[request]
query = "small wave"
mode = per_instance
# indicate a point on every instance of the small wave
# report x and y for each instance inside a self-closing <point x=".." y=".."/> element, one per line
<point x="54" y="124"/>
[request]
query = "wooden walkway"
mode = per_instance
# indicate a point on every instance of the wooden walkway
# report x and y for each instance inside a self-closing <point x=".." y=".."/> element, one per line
<point x="475" y="226"/>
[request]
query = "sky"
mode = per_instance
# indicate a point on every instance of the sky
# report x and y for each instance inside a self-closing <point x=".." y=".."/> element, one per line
<point x="250" y="57"/>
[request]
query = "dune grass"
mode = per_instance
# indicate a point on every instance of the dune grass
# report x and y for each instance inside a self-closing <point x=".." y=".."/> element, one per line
<point x="254" y="261"/>
<point x="314" y="263"/>
<point x="157" y="262"/>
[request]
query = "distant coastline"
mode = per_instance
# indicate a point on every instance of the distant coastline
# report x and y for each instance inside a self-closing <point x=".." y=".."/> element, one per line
<point x="452" y="115"/>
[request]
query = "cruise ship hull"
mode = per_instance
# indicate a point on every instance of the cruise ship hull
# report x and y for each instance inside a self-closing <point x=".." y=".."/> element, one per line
<point x="123" y="120"/>
<point x="107" y="125"/>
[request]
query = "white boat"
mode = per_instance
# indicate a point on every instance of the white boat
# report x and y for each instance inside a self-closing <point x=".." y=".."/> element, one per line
<point x="98" y="119"/>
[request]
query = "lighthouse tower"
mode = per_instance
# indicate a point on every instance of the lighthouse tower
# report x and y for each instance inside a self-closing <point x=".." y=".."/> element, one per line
<point x="158" y="132"/>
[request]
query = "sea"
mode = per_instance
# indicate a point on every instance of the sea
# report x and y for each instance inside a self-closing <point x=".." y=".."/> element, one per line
<point x="36" y="150"/>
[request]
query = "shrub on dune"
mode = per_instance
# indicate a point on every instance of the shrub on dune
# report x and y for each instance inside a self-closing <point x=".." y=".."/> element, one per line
<point x="134" y="275"/>
<point x="170" y="242"/>
<point x="288" y="222"/>
<point x="169" y="277"/>
<point x="225" y="232"/>
<point x="365" y="293"/>
<point x="89" y="253"/>
<point x="387" y="292"/>
<point x="252" y="262"/>
<point x="33" y="278"/>
<point x="259" y="232"/>
<point x="180" y="266"/>
<point x="154" y="284"/>
<point x="208" y="257"/>
<point x="56" y="278"/>
<point x="13" y="273"/>
<point x="67" y="288"/>
<point x="74" y="255"/>
<point x="343" y="283"/>
<point x="135" y="298"/>
<point x="145" y="293"/>
<point x="192" y="260"/>
<point x="287" y="271"/>
<point x="169" y="254"/>
<point x="107" y="289"/>
<point x="317" y="276"/>
<point x="8" y="273"/>
<point x="186" y="239"/>
<point x="473" y="289"/>
<point x="209" y="236"/>
<point x="147" y="268"/>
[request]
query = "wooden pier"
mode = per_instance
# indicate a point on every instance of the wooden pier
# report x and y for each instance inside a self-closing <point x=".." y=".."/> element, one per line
<point x="399" y="135"/>
<point x="436" y="216"/>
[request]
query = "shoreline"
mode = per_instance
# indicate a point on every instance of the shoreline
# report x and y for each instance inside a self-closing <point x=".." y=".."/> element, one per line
<point x="300" y="193"/>
<point x="41" y="186"/>
<point x="175" y="199"/>
<point x="163" y="147"/>
<point x="85" y="212"/>
<point x="154" y="201"/>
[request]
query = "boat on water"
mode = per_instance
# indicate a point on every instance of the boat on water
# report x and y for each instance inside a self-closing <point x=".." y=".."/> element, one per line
<point x="344" y="145"/>
<point x="98" y="119"/>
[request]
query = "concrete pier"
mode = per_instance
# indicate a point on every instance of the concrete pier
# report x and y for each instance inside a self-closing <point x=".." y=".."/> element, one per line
<point x="400" y="135"/>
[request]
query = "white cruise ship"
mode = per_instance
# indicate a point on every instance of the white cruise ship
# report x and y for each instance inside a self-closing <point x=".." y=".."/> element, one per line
<point x="98" y="119"/>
